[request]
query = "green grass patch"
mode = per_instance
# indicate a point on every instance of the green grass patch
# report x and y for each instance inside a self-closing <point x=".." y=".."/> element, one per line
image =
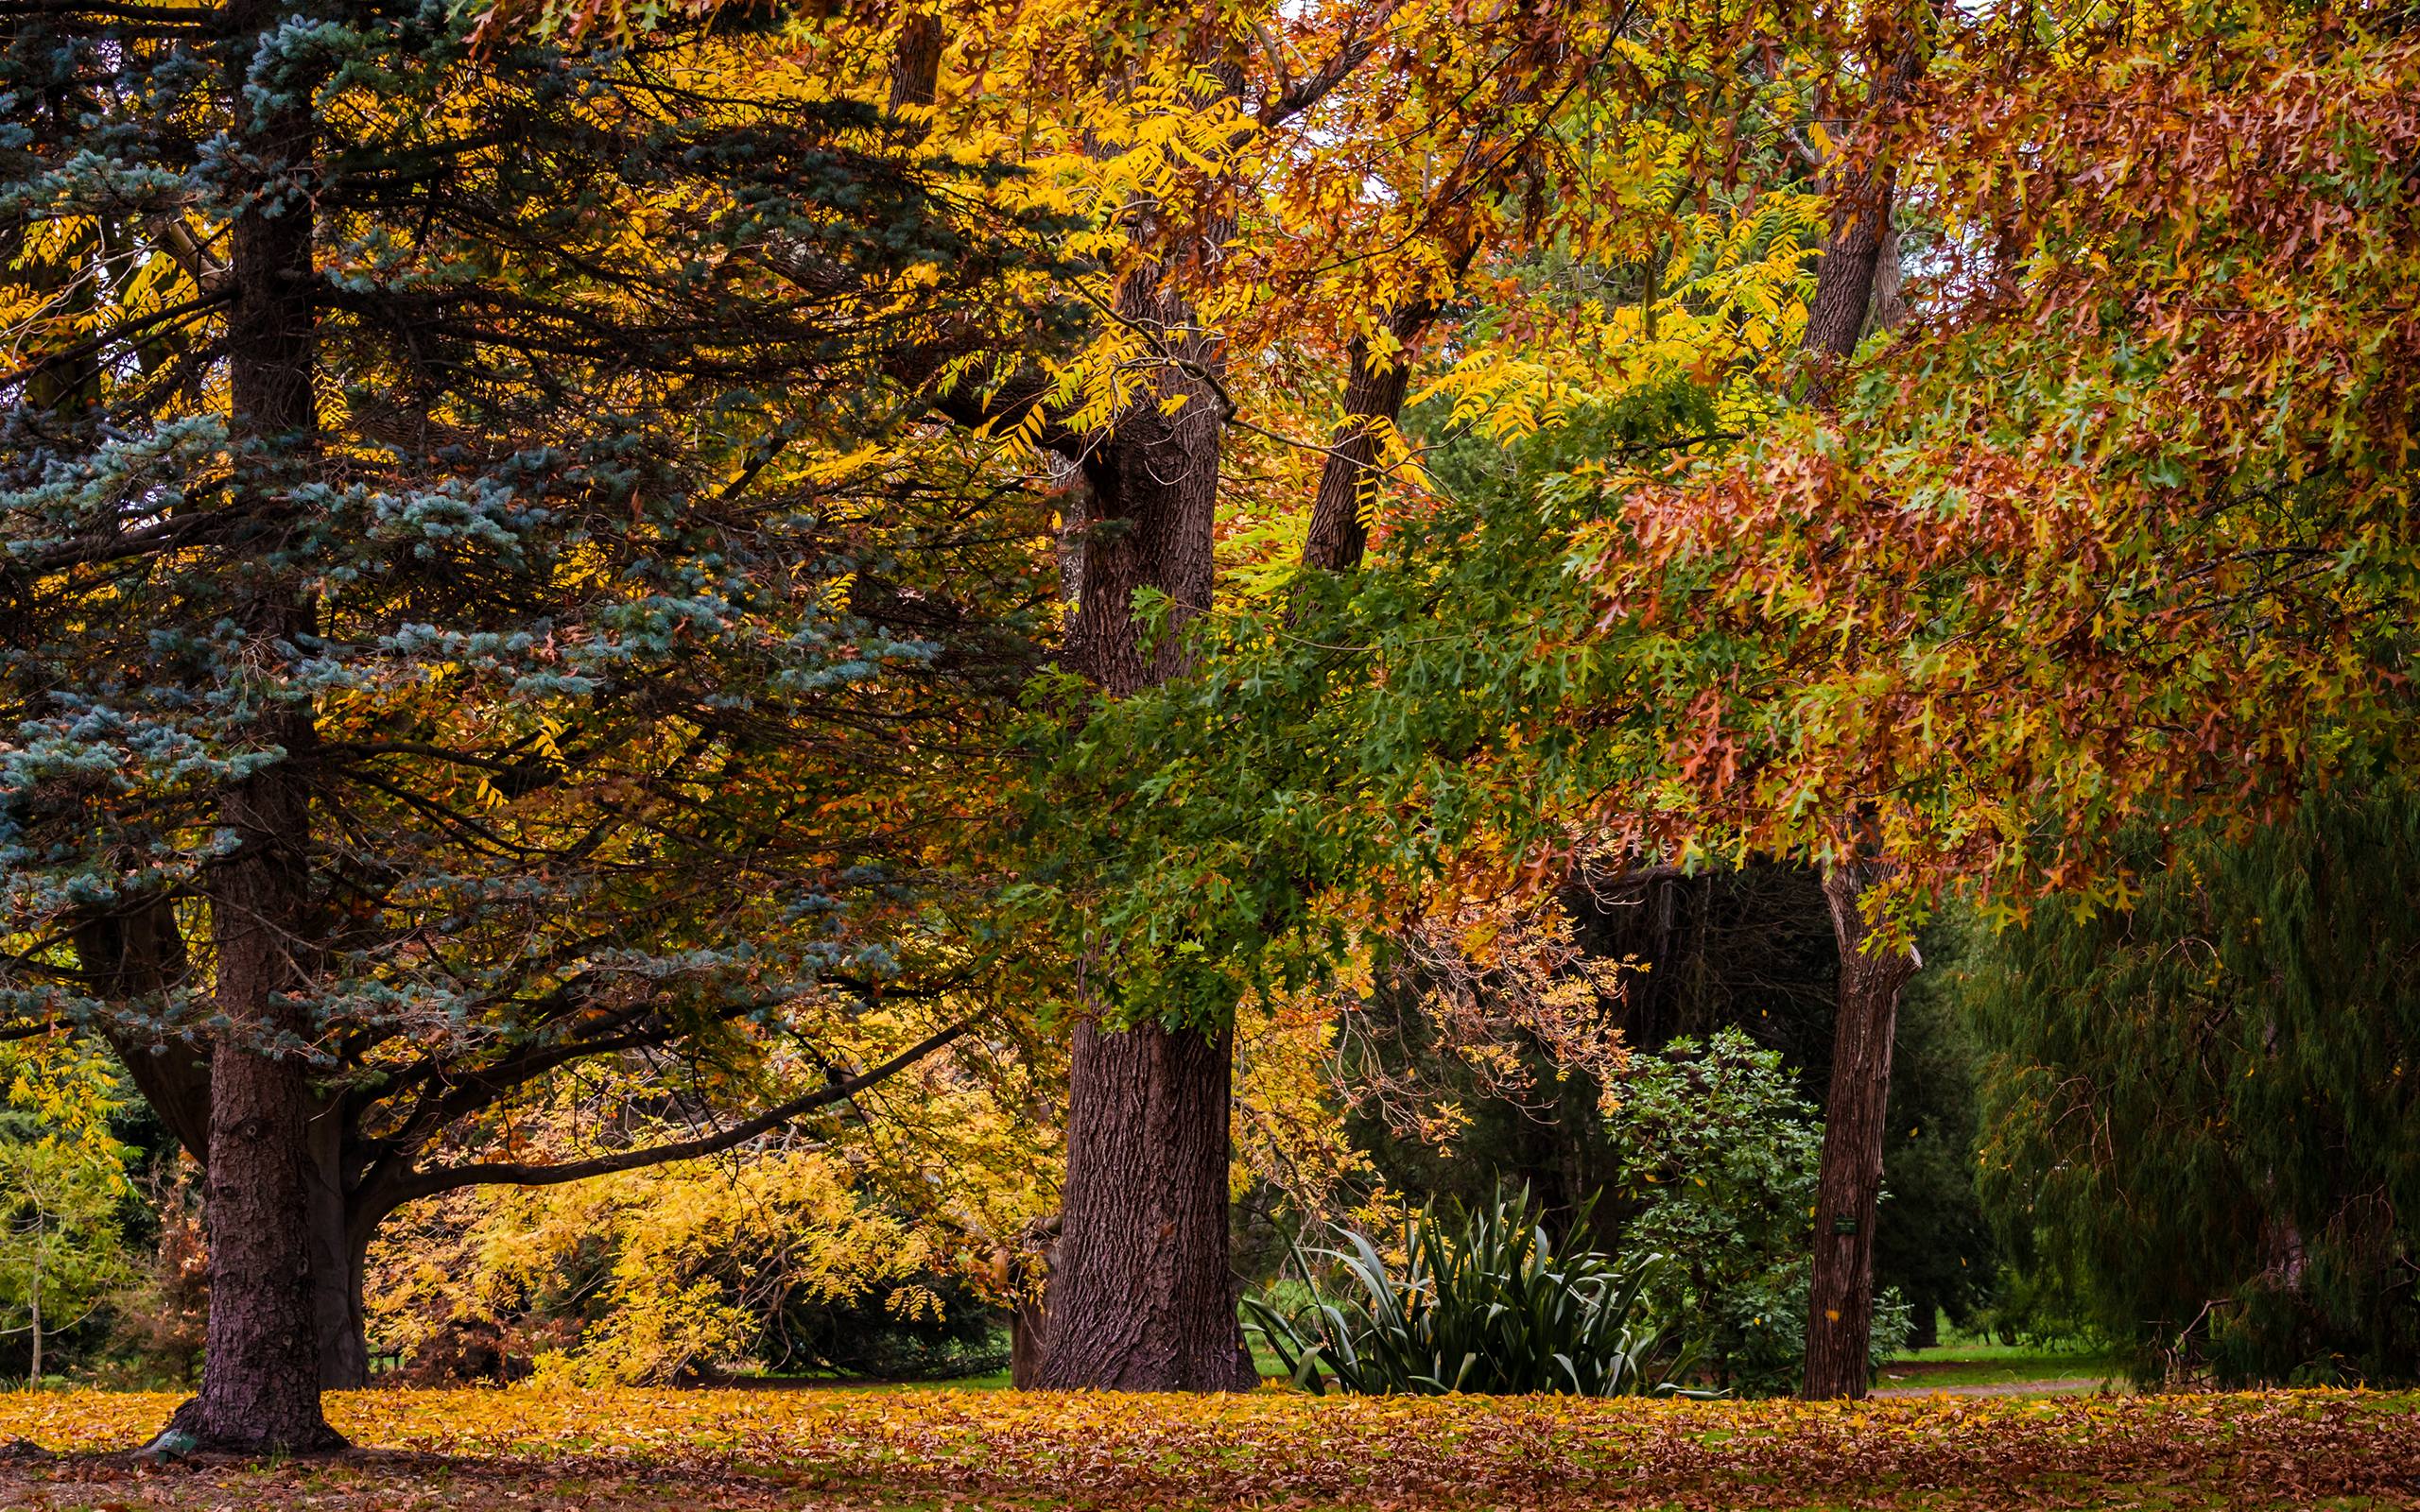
<point x="1999" y="1365"/>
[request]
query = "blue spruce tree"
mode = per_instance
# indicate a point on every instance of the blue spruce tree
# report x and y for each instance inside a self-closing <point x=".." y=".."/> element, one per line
<point x="433" y="654"/>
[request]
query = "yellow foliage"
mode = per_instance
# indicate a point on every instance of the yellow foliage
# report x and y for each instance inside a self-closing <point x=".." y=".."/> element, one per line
<point x="71" y="1088"/>
<point x="678" y="1264"/>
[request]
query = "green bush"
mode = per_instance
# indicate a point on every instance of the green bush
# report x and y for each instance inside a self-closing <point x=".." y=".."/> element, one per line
<point x="1718" y="1168"/>
<point x="1483" y="1303"/>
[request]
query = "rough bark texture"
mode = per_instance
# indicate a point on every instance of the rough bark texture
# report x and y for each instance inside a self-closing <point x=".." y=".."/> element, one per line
<point x="260" y="1382"/>
<point x="916" y="63"/>
<point x="1844" y="281"/>
<point x="133" y="954"/>
<point x="1142" y="1298"/>
<point x="1860" y="190"/>
<point x="1152" y="498"/>
<point x="1840" y="1323"/>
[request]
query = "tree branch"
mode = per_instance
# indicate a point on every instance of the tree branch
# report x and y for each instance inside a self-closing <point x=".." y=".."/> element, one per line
<point x="429" y="1183"/>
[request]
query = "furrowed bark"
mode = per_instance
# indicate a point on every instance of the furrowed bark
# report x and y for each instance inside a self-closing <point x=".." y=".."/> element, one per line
<point x="260" y="1383"/>
<point x="260" y="1380"/>
<point x="1839" y="1321"/>
<point x="1861" y="189"/>
<point x="1141" y="1296"/>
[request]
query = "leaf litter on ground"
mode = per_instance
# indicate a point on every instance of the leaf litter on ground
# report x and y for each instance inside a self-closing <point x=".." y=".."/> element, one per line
<point x="694" y="1451"/>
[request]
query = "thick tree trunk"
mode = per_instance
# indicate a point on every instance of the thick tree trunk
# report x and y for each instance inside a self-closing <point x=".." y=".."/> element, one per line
<point x="1142" y="1298"/>
<point x="259" y="1378"/>
<point x="132" y="955"/>
<point x="1840" y="1323"/>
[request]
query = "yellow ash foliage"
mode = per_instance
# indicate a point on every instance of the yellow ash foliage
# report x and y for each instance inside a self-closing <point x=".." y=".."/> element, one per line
<point x="642" y="1276"/>
<point x="1295" y="174"/>
<point x="1506" y="992"/>
<point x="676" y="1265"/>
<point x="71" y="1088"/>
<point x="969" y="1142"/>
<point x="1288" y="1112"/>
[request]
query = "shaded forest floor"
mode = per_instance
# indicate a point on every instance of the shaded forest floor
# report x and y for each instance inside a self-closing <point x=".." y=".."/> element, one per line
<point x="709" y="1452"/>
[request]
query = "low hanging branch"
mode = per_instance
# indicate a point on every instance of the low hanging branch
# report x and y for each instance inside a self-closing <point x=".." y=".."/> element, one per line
<point x="429" y="1183"/>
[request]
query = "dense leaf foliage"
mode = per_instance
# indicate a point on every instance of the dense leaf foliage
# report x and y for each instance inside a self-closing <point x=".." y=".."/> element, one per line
<point x="2127" y="521"/>
<point x="627" y="683"/>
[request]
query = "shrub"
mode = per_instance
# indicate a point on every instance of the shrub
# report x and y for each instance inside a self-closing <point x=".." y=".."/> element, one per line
<point x="1718" y="1165"/>
<point x="1481" y="1304"/>
<point x="654" y="1274"/>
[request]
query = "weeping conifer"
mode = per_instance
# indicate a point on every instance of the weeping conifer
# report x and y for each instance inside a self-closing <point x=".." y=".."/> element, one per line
<point x="2203" y="1114"/>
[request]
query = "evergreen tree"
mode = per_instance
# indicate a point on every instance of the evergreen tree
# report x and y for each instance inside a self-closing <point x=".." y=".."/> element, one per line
<point x="2203" y="1113"/>
<point x="463" y="614"/>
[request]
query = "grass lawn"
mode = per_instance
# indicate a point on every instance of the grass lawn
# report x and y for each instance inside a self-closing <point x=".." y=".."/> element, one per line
<point x="884" y="1449"/>
<point x="1998" y="1364"/>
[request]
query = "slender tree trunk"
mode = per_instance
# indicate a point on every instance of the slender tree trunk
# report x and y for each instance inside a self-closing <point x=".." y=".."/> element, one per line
<point x="1860" y="190"/>
<point x="1349" y="479"/>
<point x="1029" y="1261"/>
<point x="1840" y="1320"/>
<point x="1029" y="1344"/>
<point x="1840" y="1325"/>
<point x="1142" y="1298"/>
<point x="259" y="1378"/>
